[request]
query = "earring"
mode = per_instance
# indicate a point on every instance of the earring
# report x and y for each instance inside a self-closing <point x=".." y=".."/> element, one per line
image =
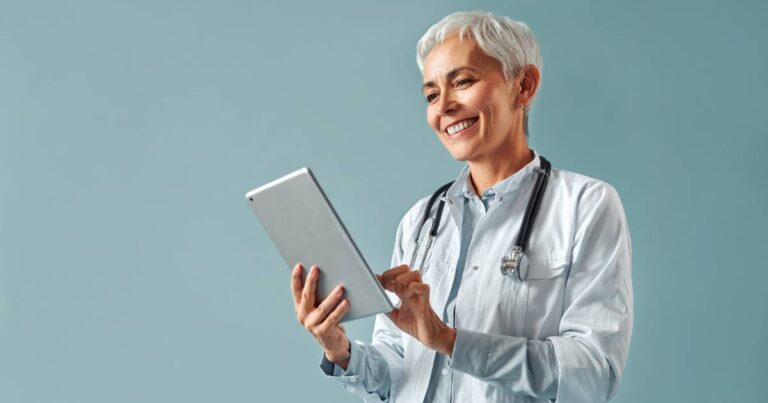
<point x="522" y="107"/>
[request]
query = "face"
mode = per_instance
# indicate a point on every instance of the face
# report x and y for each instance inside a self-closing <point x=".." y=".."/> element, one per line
<point x="474" y="112"/>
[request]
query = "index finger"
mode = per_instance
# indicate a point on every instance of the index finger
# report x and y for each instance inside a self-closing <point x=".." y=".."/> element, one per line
<point x="296" y="286"/>
<point x="390" y="274"/>
<point x="309" y="293"/>
<point x="402" y="282"/>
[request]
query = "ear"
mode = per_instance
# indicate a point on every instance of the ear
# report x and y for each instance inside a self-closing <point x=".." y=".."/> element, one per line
<point x="529" y="84"/>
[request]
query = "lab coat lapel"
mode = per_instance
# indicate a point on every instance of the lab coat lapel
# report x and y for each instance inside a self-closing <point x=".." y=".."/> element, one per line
<point x="419" y="359"/>
<point x="454" y="197"/>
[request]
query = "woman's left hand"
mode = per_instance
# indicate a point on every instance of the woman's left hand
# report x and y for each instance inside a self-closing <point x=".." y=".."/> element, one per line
<point x="415" y="315"/>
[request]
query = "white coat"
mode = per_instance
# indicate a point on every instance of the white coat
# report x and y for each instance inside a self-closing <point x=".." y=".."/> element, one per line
<point x="578" y="296"/>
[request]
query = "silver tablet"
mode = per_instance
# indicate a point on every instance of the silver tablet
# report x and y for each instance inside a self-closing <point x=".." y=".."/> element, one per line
<point x="305" y="228"/>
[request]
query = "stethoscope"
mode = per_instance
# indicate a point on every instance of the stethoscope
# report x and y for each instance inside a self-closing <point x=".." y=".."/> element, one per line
<point x="517" y="263"/>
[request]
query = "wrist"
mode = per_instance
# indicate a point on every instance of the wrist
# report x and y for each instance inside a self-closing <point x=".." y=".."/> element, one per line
<point x="340" y="357"/>
<point x="446" y="341"/>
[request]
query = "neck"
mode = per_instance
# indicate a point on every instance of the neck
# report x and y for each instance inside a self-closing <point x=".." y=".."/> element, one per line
<point x="487" y="172"/>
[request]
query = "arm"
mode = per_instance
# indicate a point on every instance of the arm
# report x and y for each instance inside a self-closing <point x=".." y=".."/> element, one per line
<point x="585" y="361"/>
<point x="373" y="368"/>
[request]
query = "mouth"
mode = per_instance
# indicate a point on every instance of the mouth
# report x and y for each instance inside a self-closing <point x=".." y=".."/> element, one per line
<point x="460" y="127"/>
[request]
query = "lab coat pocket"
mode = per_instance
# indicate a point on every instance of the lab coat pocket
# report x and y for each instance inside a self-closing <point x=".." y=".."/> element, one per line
<point x="544" y="289"/>
<point x="434" y="268"/>
<point x="543" y="269"/>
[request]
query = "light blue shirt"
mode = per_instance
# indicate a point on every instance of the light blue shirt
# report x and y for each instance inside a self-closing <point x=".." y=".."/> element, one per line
<point x="561" y="334"/>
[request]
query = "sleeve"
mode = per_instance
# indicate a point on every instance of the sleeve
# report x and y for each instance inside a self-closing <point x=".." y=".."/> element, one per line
<point x="367" y="374"/>
<point x="513" y="363"/>
<point x="585" y="361"/>
<point x="373" y="368"/>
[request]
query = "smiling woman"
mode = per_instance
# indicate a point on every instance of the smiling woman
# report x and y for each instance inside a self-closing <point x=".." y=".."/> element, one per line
<point x="476" y="112"/>
<point x="556" y="327"/>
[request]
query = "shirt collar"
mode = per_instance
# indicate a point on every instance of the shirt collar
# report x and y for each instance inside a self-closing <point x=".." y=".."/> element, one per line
<point x="462" y="184"/>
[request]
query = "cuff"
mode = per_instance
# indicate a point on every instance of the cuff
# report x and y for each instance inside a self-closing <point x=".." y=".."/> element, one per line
<point x="583" y="374"/>
<point x="480" y="354"/>
<point x="356" y="356"/>
<point x="330" y="368"/>
<point x="470" y="352"/>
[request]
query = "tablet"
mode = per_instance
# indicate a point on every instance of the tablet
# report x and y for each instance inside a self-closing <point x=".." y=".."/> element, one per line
<point x="305" y="228"/>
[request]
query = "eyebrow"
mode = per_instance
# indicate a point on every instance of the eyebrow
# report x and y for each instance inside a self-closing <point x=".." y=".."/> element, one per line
<point x="451" y="74"/>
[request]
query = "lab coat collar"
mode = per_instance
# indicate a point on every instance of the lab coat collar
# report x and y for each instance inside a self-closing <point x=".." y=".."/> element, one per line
<point x="456" y="191"/>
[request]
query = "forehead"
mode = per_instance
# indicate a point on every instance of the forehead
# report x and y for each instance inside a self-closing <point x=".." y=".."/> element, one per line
<point x="453" y="53"/>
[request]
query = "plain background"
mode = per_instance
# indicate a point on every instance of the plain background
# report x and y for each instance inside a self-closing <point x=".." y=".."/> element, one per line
<point x="132" y="270"/>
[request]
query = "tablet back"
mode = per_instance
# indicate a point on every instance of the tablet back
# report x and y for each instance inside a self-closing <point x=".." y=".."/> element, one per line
<point x="305" y="228"/>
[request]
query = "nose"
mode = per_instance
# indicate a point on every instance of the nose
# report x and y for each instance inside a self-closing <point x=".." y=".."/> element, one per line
<point x="446" y="103"/>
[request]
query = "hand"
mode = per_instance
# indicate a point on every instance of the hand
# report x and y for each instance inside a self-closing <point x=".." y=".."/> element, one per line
<point x="415" y="315"/>
<point x="322" y="321"/>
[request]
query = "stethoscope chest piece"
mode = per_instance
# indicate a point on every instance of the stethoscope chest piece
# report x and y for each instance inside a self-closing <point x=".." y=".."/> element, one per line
<point x="515" y="265"/>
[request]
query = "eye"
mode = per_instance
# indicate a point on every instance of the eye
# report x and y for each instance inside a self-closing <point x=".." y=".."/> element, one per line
<point x="431" y="97"/>
<point x="464" y="82"/>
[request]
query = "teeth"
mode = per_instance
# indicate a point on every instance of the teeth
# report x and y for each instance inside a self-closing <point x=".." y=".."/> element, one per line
<point x="453" y="129"/>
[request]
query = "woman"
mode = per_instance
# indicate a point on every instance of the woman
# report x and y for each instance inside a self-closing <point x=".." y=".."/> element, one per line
<point x="557" y="327"/>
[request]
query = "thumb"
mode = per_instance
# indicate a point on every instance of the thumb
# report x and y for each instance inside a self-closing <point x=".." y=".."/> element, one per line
<point x="393" y="315"/>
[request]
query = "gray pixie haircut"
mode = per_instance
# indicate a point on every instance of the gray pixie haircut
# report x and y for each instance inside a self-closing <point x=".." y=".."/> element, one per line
<point x="510" y="42"/>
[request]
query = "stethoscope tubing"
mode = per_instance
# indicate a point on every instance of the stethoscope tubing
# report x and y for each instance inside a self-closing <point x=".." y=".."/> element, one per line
<point x="526" y="227"/>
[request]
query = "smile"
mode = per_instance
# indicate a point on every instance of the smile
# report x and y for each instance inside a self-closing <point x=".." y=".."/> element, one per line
<point x="459" y="127"/>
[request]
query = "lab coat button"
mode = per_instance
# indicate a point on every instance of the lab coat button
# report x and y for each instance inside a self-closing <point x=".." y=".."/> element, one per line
<point x="445" y="371"/>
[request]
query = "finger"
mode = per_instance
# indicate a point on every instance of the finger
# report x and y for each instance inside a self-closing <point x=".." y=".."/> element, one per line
<point x="310" y="290"/>
<point x="335" y="316"/>
<point x="399" y="284"/>
<point x="416" y="290"/>
<point x="296" y="284"/>
<point x="409" y="277"/>
<point x="394" y="272"/>
<point x="390" y="286"/>
<point x="326" y="307"/>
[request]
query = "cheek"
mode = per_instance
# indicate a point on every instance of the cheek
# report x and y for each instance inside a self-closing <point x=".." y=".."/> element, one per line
<point x="476" y="101"/>
<point x="432" y="120"/>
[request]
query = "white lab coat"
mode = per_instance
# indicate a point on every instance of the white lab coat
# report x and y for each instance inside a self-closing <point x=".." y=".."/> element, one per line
<point x="578" y="295"/>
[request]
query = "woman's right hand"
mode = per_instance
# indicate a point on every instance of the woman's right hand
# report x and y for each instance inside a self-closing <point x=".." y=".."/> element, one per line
<point x="322" y="320"/>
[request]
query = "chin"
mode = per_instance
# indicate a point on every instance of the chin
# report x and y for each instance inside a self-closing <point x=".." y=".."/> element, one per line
<point x="461" y="150"/>
<point x="460" y="154"/>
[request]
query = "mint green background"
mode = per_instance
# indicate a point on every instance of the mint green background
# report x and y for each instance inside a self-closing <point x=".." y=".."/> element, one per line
<point x="132" y="270"/>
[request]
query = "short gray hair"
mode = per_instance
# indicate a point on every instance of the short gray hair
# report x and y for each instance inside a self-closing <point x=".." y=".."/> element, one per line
<point x="510" y="42"/>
